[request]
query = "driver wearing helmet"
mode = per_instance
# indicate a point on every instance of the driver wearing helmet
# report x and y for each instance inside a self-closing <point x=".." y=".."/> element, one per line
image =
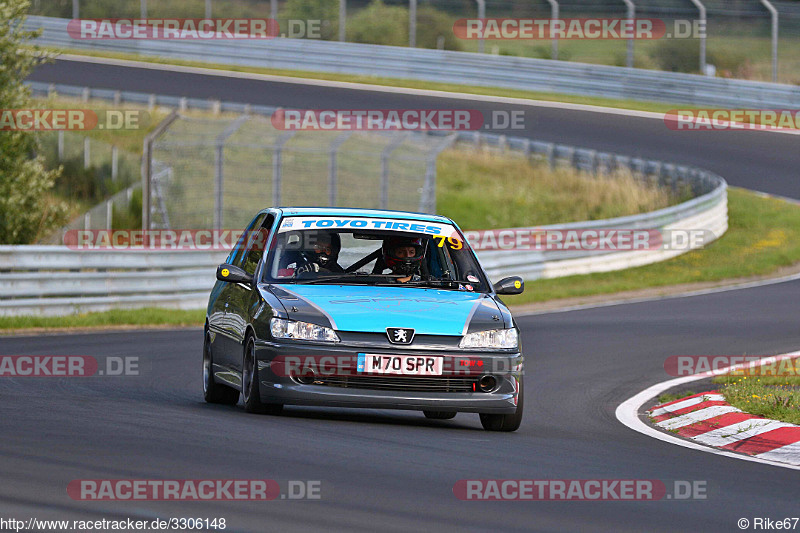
<point x="323" y="255"/>
<point x="404" y="256"/>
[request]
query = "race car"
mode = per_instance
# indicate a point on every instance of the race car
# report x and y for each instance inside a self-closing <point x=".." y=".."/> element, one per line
<point x="362" y="308"/>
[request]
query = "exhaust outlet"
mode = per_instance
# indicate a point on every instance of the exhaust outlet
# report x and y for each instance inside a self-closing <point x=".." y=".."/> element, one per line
<point x="487" y="383"/>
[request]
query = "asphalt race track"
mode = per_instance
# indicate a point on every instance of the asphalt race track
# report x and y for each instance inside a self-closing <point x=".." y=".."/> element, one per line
<point x="387" y="470"/>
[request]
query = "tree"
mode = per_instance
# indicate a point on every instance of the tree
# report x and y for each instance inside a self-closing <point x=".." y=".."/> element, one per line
<point x="26" y="210"/>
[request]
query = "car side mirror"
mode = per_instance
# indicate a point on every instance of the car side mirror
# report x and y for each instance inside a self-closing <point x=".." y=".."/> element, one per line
<point x="510" y="285"/>
<point x="233" y="274"/>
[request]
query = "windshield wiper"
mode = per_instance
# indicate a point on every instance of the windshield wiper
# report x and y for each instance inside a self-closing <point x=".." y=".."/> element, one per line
<point x="449" y="283"/>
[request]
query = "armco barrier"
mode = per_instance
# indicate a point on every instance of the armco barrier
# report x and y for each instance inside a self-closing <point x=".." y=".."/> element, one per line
<point x="444" y="66"/>
<point x="57" y="280"/>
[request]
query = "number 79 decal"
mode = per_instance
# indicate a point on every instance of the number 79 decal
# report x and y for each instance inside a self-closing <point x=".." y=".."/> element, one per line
<point x="452" y="242"/>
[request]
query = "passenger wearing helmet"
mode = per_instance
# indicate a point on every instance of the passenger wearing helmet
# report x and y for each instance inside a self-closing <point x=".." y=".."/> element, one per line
<point x="323" y="255"/>
<point x="404" y="256"/>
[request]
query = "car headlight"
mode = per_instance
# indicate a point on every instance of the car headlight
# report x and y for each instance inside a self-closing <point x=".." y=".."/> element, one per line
<point x="493" y="338"/>
<point x="292" y="329"/>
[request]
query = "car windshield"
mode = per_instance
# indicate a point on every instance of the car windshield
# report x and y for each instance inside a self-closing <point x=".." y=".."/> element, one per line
<point x="372" y="251"/>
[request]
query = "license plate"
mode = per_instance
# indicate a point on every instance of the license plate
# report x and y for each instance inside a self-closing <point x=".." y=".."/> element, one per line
<point x="408" y="365"/>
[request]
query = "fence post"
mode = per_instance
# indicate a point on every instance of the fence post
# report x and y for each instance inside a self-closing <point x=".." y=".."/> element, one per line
<point x="109" y="213"/>
<point x="147" y="166"/>
<point x="342" y="20"/>
<point x="219" y="178"/>
<point x="86" y="153"/>
<point x="554" y="16"/>
<point x="631" y="15"/>
<point x="774" y="16"/>
<point x="75" y="9"/>
<point x="427" y="202"/>
<point x="219" y="169"/>
<point x="333" y="166"/>
<point x="412" y="23"/>
<point x="702" y="9"/>
<point x="151" y="102"/>
<point x="481" y="15"/>
<point x="114" y="162"/>
<point x="60" y="145"/>
<point x="208" y="9"/>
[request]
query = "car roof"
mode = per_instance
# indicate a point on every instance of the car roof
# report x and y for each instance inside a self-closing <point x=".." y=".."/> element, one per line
<point x="358" y="212"/>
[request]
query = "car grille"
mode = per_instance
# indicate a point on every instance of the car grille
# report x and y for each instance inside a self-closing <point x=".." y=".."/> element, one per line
<point x="401" y="383"/>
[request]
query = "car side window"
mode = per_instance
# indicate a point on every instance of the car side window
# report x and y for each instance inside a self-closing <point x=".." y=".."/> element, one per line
<point x="256" y="246"/>
<point x="237" y="256"/>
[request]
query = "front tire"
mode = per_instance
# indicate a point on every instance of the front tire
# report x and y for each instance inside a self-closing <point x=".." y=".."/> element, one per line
<point x="250" y="388"/>
<point x="214" y="392"/>
<point x="510" y="422"/>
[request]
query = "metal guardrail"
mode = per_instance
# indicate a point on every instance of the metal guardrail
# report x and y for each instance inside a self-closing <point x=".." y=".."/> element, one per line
<point x="57" y="280"/>
<point x="444" y="66"/>
<point x="150" y="100"/>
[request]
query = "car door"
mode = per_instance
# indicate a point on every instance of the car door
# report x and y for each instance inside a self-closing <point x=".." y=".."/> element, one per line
<point x="243" y="297"/>
<point x="225" y="345"/>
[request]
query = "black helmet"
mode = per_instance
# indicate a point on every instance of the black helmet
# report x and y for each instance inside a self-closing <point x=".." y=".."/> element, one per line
<point x="329" y="240"/>
<point x="403" y="265"/>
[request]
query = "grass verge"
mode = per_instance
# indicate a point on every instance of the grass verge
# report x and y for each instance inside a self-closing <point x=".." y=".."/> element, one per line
<point x="471" y="185"/>
<point x="763" y="235"/>
<point x="107" y="319"/>
<point x="772" y="392"/>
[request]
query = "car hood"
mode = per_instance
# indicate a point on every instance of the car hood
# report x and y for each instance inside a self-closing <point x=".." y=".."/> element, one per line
<point x="373" y="309"/>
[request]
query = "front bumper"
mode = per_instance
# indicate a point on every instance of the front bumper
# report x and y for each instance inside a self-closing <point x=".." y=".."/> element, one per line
<point x="334" y="387"/>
